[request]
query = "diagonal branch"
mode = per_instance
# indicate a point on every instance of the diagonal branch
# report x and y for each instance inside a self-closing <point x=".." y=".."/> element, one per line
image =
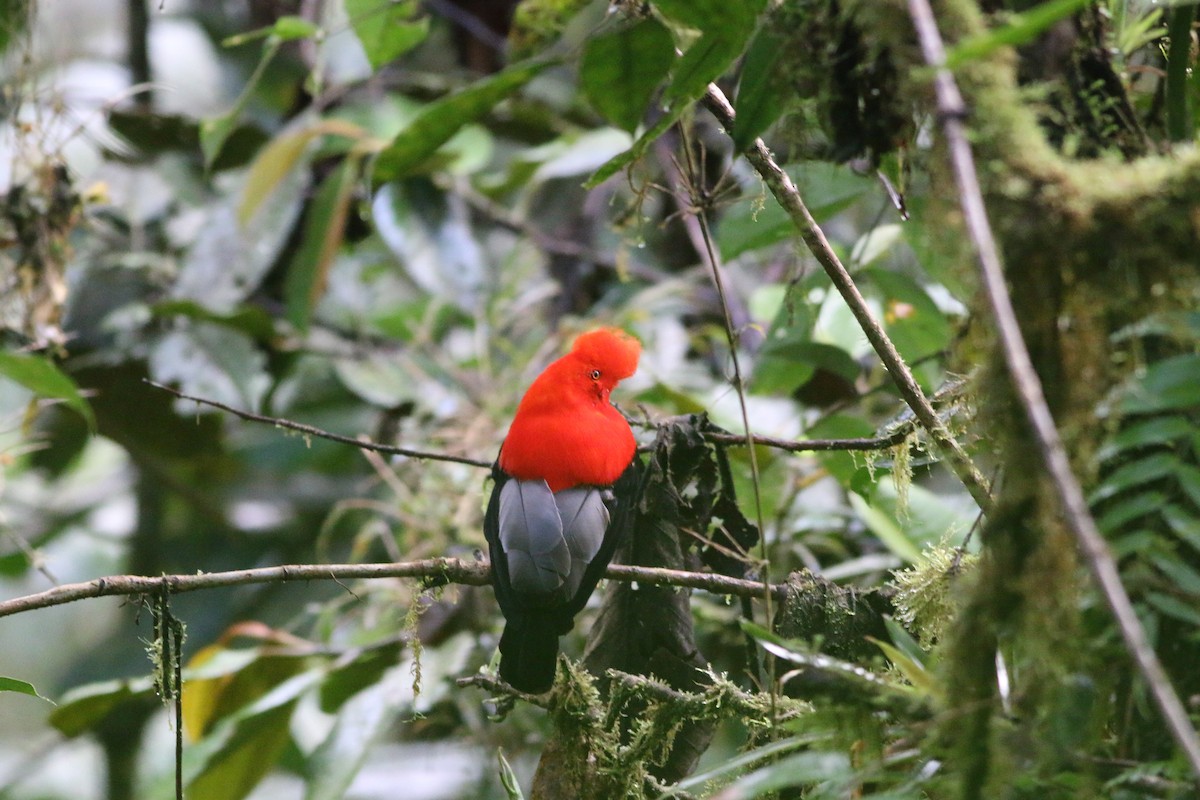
<point x="951" y="110"/>
<point x="789" y="198"/>
<point x="437" y="570"/>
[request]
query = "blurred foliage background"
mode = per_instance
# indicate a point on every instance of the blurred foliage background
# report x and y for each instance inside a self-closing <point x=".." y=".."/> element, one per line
<point x="384" y="218"/>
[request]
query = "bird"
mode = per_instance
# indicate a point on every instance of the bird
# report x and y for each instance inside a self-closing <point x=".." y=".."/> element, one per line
<point x="563" y="491"/>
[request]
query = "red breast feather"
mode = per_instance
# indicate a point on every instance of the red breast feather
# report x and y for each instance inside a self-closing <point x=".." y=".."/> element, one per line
<point x="565" y="430"/>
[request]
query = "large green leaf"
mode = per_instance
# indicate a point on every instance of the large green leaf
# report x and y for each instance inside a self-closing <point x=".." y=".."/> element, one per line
<point x="387" y="29"/>
<point x="620" y="70"/>
<point x="439" y="121"/>
<point x="40" y="376"/>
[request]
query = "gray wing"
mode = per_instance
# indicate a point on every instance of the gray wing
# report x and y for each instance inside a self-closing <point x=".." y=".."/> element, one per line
<point x="531" y="533"/>
<point x="584" y="522"/>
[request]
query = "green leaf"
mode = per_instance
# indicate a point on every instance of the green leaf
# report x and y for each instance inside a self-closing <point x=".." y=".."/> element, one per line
<point x="620" y="70"/>
<point x="761" y="222"/>
<point x="712" y="14"/>
<point x="831" y="769"/>
<point x="1174" y="607"/>
<point x="83" y="707"/>
<point x="243" y="747"/>
<point x="916" y="325"/>
<point x="1020" y="29"/>
<point x="785" y="367"/>
<point x="324" y="229"/>
<point x="739" y="763"/>
<point x="1183" y="523"/>
<point x="841" y="465"/>
<point x="289" y="28"/>
<point x="250" y="320"/>
<point x="886" y="528"/>
<point x="1126" y="511"/>
<point x="216" y="131"/>
<point x="912" y="670"/>
<point x="762" y="90"/>
<point x="361" y="723"/>
<point x="439" y="121"/>
<point x="1182" y="575"/>
<point x="362" y="672"/>
<point x="703" y="63"/>
<point x="622" y="160"/>
<point x="1136" y="473"/>
<point x="387" y="29"/>
<point x="40" y="376"/>
<point x="1147" y="433"/>
<point x="1168" y="385"/>
<point x="20" y="687"/>
<point x="508" y="778"/>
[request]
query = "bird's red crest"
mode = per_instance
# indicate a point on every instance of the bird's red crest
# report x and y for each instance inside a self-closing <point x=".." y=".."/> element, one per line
<point x="611" y="350"/>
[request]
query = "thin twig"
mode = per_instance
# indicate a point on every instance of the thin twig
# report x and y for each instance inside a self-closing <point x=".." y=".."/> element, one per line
<point x="447" y="570"/>
<point x="309" y="430"/>
<point x="789" y="198"/>
<point x="1099" y="559"/>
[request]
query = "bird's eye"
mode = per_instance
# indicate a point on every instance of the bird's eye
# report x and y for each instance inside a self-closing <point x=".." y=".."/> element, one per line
<point x="595" y="374"/>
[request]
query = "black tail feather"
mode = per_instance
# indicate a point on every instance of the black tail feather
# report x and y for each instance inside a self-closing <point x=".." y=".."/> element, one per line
<point x="529" y="655"/>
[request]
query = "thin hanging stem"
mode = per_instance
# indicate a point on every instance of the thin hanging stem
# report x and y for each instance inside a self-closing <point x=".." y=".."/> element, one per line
<point x="740" y="387"/>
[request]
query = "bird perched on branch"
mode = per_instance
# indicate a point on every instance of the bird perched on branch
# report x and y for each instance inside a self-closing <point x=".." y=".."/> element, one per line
<point x="565" y="484"/>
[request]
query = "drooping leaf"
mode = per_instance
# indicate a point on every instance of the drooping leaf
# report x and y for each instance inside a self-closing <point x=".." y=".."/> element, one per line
<point x="40" y="376"/>
<point x="20" y="687"/>
<point x="387" y="29"/>
<point x="280" y="157"/>
<point x="324" y="229"/>
<point x="886" y="527"/>
<point x="619" y="71"/>
<point x="762" y="90"/>
<point x="438" y="121"/>
<point x="636" y="151"/>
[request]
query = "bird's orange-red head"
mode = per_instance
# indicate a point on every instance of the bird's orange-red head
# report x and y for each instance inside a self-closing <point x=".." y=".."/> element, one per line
<point x="565" y="430"/>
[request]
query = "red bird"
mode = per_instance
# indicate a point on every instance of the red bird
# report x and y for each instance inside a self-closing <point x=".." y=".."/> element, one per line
<point x="565" y="484"/>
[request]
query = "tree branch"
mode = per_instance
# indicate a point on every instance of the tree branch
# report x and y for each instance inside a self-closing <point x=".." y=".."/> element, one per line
<point x="789" y="198"/>
<point x="439" y="570"/>
<point x="309" y="430"/>
<point x="951" y="110"/>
